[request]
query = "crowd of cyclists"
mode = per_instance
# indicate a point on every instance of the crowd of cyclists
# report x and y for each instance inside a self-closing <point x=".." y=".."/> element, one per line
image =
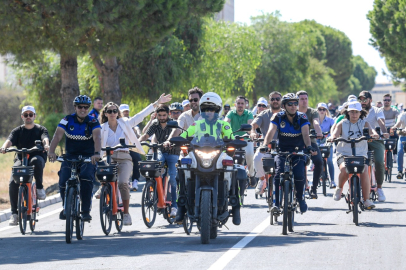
<point x="284" y="118"/>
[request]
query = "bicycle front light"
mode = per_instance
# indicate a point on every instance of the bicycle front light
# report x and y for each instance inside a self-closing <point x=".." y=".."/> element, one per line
<point x="207" y="158"/>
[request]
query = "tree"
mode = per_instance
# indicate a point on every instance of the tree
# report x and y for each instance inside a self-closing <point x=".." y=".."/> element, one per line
<point x="364" y="73"/>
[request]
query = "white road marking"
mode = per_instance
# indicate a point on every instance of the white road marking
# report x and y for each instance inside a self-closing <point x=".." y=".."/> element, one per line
<point x="222" y="262"/>
<point x="39" y="217"/>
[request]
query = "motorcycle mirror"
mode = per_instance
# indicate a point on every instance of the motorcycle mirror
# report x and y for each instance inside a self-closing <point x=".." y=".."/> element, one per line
<point x="173" y="124"/>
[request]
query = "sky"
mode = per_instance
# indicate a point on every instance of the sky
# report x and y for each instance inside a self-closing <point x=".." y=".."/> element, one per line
<point x="348" y="16"/>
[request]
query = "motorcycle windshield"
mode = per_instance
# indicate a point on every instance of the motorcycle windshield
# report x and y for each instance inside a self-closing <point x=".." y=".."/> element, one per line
<point x="204" y="139"/>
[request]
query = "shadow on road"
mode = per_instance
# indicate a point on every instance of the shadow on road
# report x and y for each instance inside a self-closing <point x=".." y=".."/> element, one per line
<point x="376" y="225"/>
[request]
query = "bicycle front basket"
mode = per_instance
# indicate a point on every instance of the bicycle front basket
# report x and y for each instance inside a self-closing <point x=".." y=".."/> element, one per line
<point x="107" y="173"/>
<point x="390" y="144"/>
<point x="325" y="151"/>
<point x="150" y="169"/>
<point x="22" y="174"/>
<point x="354" y="164"/>
<point x="269" y="164"/>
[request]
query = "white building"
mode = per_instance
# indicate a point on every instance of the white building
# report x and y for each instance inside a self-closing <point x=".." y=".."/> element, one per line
<point x="227" y="14"/>
<point x="380" y="89"/>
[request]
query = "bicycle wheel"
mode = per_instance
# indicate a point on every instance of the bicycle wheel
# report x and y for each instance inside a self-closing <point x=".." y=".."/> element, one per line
<point x="119" y="221"/>
<point x="187" y="225"/>
<point x="70" y="214"/>
<point x="22" y="208"/>
<point x="205" y="216"/>
<point x="106" y="206"/>
<point x="324" y="178"/>
<point x="389" y="162"/>
<point x="149" y="204"/>
<point x="80" y="227"/>
<point x="355" y="200"/>
<point x="167" y="214"/>
<point x="291" y="216"/>
<point x="286" y="191"/>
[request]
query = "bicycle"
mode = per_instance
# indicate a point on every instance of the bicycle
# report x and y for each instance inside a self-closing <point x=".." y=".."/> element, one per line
<point x="269" y="169"/>
<point x="325" y="154"/>
<point x="156" y="194"/>
<point x="354" y="165"/>
<point x="390" y="145"/>
<point x="72" y="200"/>
<point x="111" y="206"/>
<point x="27" y="192"/>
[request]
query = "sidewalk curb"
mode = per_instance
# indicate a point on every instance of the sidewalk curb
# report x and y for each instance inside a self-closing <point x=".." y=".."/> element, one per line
<point x="5" y="214"/>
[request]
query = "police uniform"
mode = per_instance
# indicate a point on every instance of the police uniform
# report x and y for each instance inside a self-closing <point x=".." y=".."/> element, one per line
<point x="290" y="137"/>
<point x="79" y="142"/>
<point x="203" y="126"/>
<point x="94" y="113"/>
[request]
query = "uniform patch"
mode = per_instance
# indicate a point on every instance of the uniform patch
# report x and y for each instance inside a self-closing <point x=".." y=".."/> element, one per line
<point x="94" y="120"/>
<point x="63" y="121"/>
<point x="194" y="124"/>
<point x="283" y="124"/>
<point x="304" y="116"/>
<point x="227" y="127"/>
<point x="72" y="128"/>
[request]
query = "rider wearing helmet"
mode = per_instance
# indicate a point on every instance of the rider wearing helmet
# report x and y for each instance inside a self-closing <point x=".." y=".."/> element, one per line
<point x="83" y="138"/>
<point x="293" y="132"/>
<point x="175" y="110"/>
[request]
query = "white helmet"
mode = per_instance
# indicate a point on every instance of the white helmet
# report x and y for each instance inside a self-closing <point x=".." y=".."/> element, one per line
<point x="211" y="99"/>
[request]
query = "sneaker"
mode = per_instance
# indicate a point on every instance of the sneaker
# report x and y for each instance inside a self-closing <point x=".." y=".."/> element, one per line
<point x="368" y="205"/>
<point x="313" y="194"/>
<point x="134" y="185"/>
<point x="41" y="194"/>
<point x="259" y="188"/>
<point x="127" y="220"/>
<point x="303" y="206"/>
<point x="381" y="196"/>
<point x="13" y="220"/>
<point x="86" y="216"/>
<point x="173" y="212"/>
<point x="62" y="215"/>
<point x="400" y="175"/>
<point x="97" y="194"/>
<point x="337" y="194"/>
<point x="333" y="184"/>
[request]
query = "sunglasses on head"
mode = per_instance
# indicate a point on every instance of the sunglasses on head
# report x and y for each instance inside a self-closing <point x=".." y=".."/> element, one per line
<point x="193" y="100"/>
<point x="28" y="115"/>
<point x="387" y="100"/>
<point x="277" y="99"/>
<point x="261" y="105"/>
<point x="112" y="111"/>
<point x="82" y="107"/>
<point x="292" y="103"/>
<point x="322" y="109"/>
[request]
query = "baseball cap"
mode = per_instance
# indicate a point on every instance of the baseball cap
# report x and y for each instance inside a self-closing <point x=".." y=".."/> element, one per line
<point x="354" y="106"/>
<point x="365" y="94"/>
<point x="124" y="107"/>
<point x="227" y="105"/>
<point x="324" y="105"/>
<point x="185" y="102"/>
<point x="28" y="108"/>
<point x="351" y="97"/>
<point x="340" y="108"/>
<point x="262" y="100"/>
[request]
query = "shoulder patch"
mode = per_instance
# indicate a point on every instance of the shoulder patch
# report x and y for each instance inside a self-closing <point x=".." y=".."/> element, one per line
<point x="94" y="120"/>
<point x="226" y="127"/>
<point x="194" y="124"/>
<point x="281" y="113"/>
<point x="63" y="121"/>
<point x="303" y="115"/>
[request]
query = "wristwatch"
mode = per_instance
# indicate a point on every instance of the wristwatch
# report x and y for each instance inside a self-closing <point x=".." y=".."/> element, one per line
<point x="97" y="153"/>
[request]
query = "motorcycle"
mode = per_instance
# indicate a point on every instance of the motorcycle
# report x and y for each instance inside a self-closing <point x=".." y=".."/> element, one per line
<point x="208" y="180"/>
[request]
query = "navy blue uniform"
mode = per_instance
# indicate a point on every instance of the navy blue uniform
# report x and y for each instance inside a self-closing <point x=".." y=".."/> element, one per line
<point x="290" y="137"/>
<point x="79" y="142"/>
<point x="94" y="113"/>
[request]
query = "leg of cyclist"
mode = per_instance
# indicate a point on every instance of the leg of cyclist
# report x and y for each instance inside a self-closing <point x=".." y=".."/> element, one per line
<point x="64" y="175"/>
<point x="86" y="176"/>
<point x="342" y="178"/>
<point x="280" y="165"/>
<point x="318" y="167"/>
<point x="259" y="169"/>
<point x="249" y="157"/>
<point x="400" y="156"/>
<point x="379" y="152"/>
<point x="366" y="187"/>
<point x="136" y="170"/>
<point x="331" y="168"/>
<point x="39" y="163"/>
<point x="13" y="195"/>
<point x="171" y="161"/>
<point x="298" y="168"/>
<point x="125" y="166"/>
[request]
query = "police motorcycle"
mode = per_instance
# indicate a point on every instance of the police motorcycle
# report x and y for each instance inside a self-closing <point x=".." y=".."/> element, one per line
<point x="208" y="179"/>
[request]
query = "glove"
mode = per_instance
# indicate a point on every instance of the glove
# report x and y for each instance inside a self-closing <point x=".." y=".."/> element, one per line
<point x="310" y="149"/>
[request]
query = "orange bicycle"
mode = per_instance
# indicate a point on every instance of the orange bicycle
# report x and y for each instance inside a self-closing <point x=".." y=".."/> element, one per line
<point x="156" y="194"/>
<point x="27" y="192"/>
<point x="111" y="205"/>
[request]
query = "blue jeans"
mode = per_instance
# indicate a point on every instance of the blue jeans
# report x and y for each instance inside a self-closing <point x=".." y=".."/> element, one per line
<point x="86" y="175"/>
<point x="400" y="153"/>
<point x="298" y="169"/>
<point x="171" y="161"/>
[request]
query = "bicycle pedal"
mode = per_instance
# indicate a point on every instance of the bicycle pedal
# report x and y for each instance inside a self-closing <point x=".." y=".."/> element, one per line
<point x="348" y="211"/>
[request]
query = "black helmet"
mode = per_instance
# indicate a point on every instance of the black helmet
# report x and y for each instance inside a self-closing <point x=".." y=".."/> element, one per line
<point x="176" y="106"/>
<point x="82" y="99"/>
<point x="289" y="97"/>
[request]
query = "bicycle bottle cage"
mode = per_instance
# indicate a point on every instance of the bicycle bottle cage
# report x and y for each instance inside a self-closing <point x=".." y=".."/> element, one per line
<point x="269" y="164"/>
<point x="151" y="169"/>
<point x="107" y="173"/>
<point x="22" y="174"/>
<point x="325" y="151"/>
<point x="390" y="144"/>
<point x="370" y="158"/>
<point x="354" y="164"/>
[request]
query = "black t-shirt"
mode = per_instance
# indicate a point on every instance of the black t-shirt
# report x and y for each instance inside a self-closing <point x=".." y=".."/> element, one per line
<point x="21" y="137"/>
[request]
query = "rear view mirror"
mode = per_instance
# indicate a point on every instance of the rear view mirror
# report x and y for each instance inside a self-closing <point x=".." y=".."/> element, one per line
<point x="245" y="127"/>
<point x="172" y="124"/>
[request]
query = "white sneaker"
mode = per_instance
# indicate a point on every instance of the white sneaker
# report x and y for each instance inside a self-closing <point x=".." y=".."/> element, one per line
<point x="337" y="194"/>
<point x="13" y="220"/>
<point x="260" y="185"/>
<point x="381" y="196"/>
<point x="41" y="194"/>
<point x="135" y="185"/>
<point x="97" y="194"/>
<point x="127" y="220"/>
<point x="368" y="205"/>
<point x="174" y="212"/>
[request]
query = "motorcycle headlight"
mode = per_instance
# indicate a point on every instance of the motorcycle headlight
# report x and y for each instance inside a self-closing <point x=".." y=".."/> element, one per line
<point x="207" y="157"/>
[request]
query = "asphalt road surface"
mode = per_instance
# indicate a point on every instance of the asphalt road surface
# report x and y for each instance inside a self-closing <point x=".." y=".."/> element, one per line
<point x="324" y="237"/>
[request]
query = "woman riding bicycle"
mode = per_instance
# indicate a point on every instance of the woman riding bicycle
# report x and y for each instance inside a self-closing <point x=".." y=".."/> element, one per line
<point x="326" y="122"/>
<point x="351" y="128"/>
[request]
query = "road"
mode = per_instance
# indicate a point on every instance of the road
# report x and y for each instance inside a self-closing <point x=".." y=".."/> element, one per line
<point x="324" y="237"/>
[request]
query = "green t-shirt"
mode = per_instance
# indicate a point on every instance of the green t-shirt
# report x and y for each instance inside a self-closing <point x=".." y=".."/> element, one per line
<point x="237" y="120"/>
<point x="338" y="120"/>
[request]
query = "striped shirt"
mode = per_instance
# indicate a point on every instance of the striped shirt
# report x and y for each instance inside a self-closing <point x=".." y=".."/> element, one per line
<point x="161" y="135"/>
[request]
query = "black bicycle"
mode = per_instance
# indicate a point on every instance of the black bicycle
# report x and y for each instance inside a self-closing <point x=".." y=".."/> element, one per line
<point x="268" y="163"/>
<point x="325" y="154"/>
<point x="73" y="200"/>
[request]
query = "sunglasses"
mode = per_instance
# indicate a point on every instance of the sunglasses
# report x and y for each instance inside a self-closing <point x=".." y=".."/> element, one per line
<point x="28" y="115"/>
<point x="363" y="101"/>
<point x="292" y="103"/>
<point x="209" y="109"/>
<point x="176" y="112"/>
<point x="261" y="105"/>
<point x="193" y="100"/>
<point x="322" y="110"/>
<point x="387" y="100"/>
<point x="82" y="107"/>
<point x="112" y="111"/>
<point x="277" y="99"/>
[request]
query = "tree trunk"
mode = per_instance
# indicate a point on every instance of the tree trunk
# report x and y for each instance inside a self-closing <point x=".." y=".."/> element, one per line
<point x="70" y="84"/>
<point x="254" y="98"/>
<point x="110" y="80"/>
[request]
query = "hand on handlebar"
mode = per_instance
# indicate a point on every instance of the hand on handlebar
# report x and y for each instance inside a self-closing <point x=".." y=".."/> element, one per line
<point x="376" y="136"/>
<point x="52" y="157"/>
<point x="3" y="150"/>
<point x="253" y="135"/>
<point x="319" y="136"/>
<point x="385" y="135"/>
<point x="167" y="144"/>
<point x="95" y="159"/>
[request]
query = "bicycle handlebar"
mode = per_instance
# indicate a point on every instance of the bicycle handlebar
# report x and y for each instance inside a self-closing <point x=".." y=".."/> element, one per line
<point x="63" y="158"/>
<point x="363" y="138"/>
<point x="24" y="150"/>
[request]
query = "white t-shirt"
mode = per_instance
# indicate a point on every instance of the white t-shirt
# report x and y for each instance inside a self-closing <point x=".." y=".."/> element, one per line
<point x="402" y="119"/>
<point x="114" y="137"/>
<point x="374" y="114"/>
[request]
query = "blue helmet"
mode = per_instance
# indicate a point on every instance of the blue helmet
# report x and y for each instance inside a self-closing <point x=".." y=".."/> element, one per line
<point x="82" y="99"/>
